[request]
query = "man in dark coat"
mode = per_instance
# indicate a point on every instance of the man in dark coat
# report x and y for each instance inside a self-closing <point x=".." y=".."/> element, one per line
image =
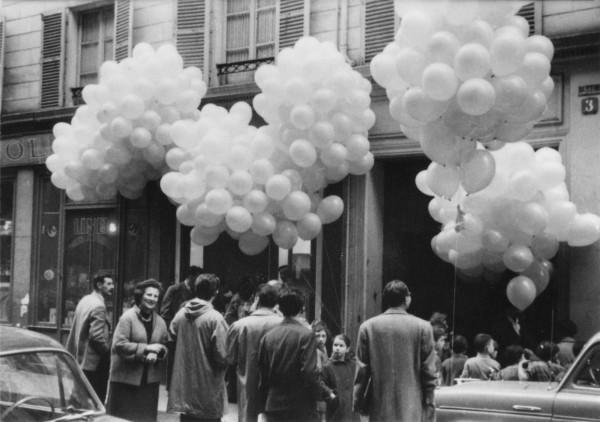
<point x="398" y="352"/>
<point x="89" y="339"/>
<point x="289" y="378"/>
<point x="243" y="340"/>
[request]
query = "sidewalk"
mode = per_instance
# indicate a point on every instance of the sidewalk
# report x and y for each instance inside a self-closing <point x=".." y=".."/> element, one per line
<point x="163" y="416"/>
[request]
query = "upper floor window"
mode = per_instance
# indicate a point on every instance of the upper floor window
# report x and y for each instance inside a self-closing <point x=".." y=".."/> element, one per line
<point x="96" y="32"/>
<point x="250" y="33"/>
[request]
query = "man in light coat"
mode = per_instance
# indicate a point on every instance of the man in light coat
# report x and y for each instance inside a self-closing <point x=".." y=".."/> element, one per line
<point x="243" y="340"/>
<point x="398" y="352"/>
<point x="197" y="389"/>
<point x="89" y="339"/>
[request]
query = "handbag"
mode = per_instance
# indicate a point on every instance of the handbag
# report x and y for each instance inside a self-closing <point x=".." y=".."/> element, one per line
<point x="362" y="391"/>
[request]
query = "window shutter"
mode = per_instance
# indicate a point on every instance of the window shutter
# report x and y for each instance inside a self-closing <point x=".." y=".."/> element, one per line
<point x="52" y="59"/>
<point x="291" y="22"/>
<point x="528" y="12"/>
<point x="191" y="21"/>
<point x="123" y="28"/>
<point x="1" y="59"/>
<point x="380" y="26"/>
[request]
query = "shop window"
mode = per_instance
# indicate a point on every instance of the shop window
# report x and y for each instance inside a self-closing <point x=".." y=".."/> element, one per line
<point x="6" y="245"/>
<point x="90" y="248"/>
<point x="47" y="255"/>
<point x="96" y="31"/>
<point x="249" y="38"/>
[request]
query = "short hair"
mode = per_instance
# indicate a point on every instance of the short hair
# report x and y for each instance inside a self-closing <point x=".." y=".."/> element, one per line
<point x="459" y="344"/>
<point x="140" y="289"/>
<point x="546" y="350"/>
<point x="193" y="272"/>
<point x="318" y="325"/>
<point x="206" y="286"/>
<point x="291" y="302"/>
<point x="481" y="341"/>
<point x="99" y="279"/>
<point x="246" y="288"/>
<point x="285" y="273"/>
<point x="395" y="293"/>
<point x="513" y="353"/>
<point x="565" y="328"/>
<point x="267" y="295"/>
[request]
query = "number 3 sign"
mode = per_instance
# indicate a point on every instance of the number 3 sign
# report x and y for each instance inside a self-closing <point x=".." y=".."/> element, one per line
<point x="589" y="105"/>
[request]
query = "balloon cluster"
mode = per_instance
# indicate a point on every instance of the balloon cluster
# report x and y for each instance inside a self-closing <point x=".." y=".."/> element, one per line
<point x="118" y="140"/>
<point x="514" y="223"/>
<point x="460" y="72"/>
<point x="258" y="182"/>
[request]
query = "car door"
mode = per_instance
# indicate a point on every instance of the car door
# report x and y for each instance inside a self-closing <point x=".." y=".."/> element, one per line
<point x="579" y="397"/>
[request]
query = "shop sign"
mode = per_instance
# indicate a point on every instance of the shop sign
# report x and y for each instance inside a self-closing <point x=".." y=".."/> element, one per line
<point x="26" y="150"/>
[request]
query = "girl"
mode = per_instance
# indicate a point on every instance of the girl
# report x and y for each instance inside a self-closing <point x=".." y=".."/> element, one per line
<point x="339" y="375"/>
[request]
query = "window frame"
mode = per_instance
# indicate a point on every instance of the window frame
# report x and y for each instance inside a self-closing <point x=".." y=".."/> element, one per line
<point x="253" y="12"/>
<point x="12" y="179"/>
<point x="100" y="12"/>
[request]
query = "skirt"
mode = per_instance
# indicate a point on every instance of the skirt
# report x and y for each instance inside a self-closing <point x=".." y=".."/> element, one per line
<point x="133" y="402"/>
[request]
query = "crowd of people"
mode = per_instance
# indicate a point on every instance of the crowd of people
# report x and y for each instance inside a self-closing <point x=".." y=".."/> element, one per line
<point x="282" y="367"/>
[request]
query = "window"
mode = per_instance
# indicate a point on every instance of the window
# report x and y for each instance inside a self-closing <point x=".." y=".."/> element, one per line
<point x="6" y="242"/>
<point x="96" y="31"/>
<point x="250" y="33"/>
<point x="589" y="373"/>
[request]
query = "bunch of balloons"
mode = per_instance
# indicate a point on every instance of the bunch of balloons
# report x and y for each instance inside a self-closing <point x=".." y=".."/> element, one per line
<point x="464" y="71"/>
<point x="321" y="110"/>
<point x="118" y="140"/>
<point x="515" y="223"/>
<point x="258" y="182"/>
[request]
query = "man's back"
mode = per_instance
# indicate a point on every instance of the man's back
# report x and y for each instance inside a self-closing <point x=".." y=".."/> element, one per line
<point x="398" y="350"/>
<point x="288" y="369"/>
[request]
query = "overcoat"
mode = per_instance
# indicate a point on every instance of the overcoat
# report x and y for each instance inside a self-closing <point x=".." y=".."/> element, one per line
<point x="198" y="382"/>
<point x="130" y="340"/>
<point x="398" y="351"/>
<point x="243" y="340"/>
<point x="89" y="339"/>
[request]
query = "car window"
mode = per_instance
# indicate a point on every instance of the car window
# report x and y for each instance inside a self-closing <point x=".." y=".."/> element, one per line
<point x="588" y="374"/>
<point x="47" y="376"/>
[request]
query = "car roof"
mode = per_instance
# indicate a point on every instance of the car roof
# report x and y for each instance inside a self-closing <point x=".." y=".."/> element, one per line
<point x="13" y="339"/>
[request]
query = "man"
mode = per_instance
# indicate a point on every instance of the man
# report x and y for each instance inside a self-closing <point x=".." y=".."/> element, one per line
<point x="287" y="359"/>
<point x="197" y="388"/>
<point x="510" y="328"/>
<point x="175" y="296"/>
<point x="89" y="339"/>
<point x="397" y="350"/>
<point x="243" y="340"/>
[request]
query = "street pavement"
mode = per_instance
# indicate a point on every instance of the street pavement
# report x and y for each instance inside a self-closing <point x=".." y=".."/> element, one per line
<point x="163" y="416"/>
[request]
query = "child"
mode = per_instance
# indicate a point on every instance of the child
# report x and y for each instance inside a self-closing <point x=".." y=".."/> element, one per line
<point x="339" y="375"/>
<point x="320" y="331"/>
<point x="481" y="366"/>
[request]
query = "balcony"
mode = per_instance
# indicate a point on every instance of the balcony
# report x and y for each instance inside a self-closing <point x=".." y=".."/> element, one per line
<point x="240" y="72"/>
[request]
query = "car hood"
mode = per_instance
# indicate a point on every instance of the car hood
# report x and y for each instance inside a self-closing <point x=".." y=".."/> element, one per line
<point x="497" y="395"/>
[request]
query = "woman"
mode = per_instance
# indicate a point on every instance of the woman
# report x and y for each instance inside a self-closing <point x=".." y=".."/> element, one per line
<point x="136" y="357"/>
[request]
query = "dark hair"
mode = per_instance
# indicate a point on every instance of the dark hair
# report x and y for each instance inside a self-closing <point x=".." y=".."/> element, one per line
<point x="99" y="279"/>
<point x="246" y="288"/>
<point x="318" y="325"/>
<point x="546" y="351"/>
<point x="140" y="289"/>
<point x="395" y="293"/>
<point x="291" y="302"/>
<point x="565" y="328"/>
<point x="206" y="286"/>
<point x="344" y="338"/>
<point x="577" y="346"/>
<point x="459" y="344"/>
<point x="481" y="341"/>
<point x="193" y="272"/>
<point x="285" y="273"/>
<point x="267" y="295"/>
<point x="512" y="354"/>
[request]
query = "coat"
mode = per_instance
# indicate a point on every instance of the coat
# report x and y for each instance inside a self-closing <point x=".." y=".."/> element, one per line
<point x="89" y="339"/>
<point x="243" y="339"/>
<point x="339" y="375"/>
<point x="198" y="382"/>
<point x="129" y="342"/>
<point x="175" y="296"/>
<point x="398" y="351"/>
<point x="289" y="378"/>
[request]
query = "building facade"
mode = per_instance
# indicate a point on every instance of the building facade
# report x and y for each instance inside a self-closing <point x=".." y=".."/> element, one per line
<point x="51" y="245"/>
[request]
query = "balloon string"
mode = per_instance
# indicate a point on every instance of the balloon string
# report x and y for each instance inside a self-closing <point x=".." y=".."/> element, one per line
<point x="453" y="334"/>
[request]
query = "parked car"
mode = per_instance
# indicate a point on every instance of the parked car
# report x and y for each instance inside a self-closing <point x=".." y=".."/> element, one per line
<point x="40" y="381"/>
<point x="576" y="397"/>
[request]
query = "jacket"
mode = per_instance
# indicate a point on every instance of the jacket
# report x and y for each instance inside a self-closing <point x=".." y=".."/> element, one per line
<point x="89" y="339"/>
<point x="243" y="339"/>
<point x="198" y="382"/>
<point x="129" y="342"/>
<point x="397" y="349"/>
<point x="175" y="296"/>
<point x="289" y="377"/>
